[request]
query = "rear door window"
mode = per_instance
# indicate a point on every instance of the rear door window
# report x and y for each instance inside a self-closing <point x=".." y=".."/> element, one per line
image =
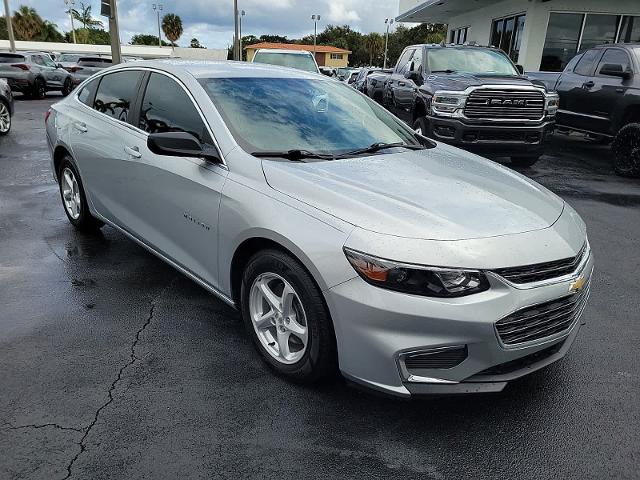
<point x="116" y="94"/>
<point x="166" y="107"/>
<point x="88" y="92"/>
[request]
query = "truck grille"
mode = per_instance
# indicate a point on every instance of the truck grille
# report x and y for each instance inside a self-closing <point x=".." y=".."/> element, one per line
<point x="542" y="271"/>
<point x="542" y="320"/>
<point x="505" y="104"/>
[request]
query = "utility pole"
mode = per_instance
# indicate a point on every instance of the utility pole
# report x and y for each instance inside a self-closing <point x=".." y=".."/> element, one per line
<point x="158" y="9"/>
<point x="240" y="36"/>
<point x="389" y="22"/>
<point x="236" y="43"/>
<point x="12" y="40"/>
<point x="316" y="19"/>
<point x="114" y="32"/>
<point x="71" y="4"/>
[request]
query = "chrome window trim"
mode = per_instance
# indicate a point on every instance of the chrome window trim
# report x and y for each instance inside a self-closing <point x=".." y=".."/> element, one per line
<point x="138" y="130"/>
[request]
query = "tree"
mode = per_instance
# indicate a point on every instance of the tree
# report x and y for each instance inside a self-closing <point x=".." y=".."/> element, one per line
<point x="49" y="33"/>
<point x="84" y="16"/>
<point x="172" y="27"/>
<point x="195" y="43"/>
<point x="274" y="39"/>
<point x="145" y="39"/>
<point x="89" y="36"/>
<point x="27" y="24"/>
<point x="4" y="34"/>
<point x="373" y="43"/>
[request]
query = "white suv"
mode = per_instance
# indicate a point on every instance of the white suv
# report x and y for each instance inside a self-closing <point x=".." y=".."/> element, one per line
<point x="300" y="59"/>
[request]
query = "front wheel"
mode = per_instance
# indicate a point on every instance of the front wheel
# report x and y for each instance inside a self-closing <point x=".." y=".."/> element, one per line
<point x="626" y="151"/>
<point x="421" y="126"/>
<point x="524" y="161"/>
<point x="39" y="89"/>
<point x="74" y="199"/>
<point x="5" y="118"/>
<point x="67" y="88"/>
<point x="284" y="312"/>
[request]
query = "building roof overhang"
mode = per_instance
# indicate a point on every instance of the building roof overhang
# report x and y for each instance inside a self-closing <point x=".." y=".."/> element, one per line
<point x="440" y="11"/>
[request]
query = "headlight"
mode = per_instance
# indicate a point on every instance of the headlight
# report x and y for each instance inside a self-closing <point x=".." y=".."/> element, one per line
<point x="417" y="279"/>
<point x="446" y="103"/>
<point x="553" y="101"/>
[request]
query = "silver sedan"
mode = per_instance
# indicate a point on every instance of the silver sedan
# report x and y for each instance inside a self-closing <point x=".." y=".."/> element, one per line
<point x="349" y="242"/>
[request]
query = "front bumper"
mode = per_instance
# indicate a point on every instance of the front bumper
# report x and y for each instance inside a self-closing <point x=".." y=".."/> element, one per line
<point x="493" y="137"/>
<point x="376" y="327"/>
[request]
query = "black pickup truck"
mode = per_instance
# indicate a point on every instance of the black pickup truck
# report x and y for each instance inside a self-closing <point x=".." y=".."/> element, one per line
<point x="600" y="96"/>
<point x="472" y="97"/>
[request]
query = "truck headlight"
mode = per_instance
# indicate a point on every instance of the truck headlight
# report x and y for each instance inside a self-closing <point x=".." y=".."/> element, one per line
<point x="417" y="279"/>
<point x="553" y="101"/>
<point x="446" y="103"/>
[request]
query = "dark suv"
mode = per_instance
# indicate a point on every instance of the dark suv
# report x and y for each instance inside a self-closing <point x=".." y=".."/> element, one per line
<point x="474" y="98"/>
<point x="34" y="74"/>
<point x="600" y="96"/>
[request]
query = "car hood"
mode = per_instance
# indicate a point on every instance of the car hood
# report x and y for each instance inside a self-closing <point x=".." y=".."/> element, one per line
<point x="461" y="81"/>
<point x="440" y="194"/>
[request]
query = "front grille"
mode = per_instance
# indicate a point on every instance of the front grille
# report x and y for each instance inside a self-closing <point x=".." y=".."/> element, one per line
<point x="542" y="320"/>
<point x="523" y="362"/>
<point x="505" y="104"/>
<point x="542" y="271"/>
<point x="445" y="358"/>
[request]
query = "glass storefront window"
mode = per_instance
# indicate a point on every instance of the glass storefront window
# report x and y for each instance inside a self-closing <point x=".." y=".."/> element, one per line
<point x="506" y="34"/>
<point x="630" y="29"/>
<point x="561" y="43"/>
<point x="599" y="29"/>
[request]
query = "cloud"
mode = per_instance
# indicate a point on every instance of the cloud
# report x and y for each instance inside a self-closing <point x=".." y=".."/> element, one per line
<point x="340" y="13"/>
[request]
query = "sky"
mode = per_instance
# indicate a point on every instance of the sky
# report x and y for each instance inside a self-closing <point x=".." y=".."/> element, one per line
<point x="211" y="21"/>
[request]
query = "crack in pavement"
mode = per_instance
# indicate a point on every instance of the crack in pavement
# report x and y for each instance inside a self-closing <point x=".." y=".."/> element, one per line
<point x="42" y="425"/>
<point x="132" y="359"/>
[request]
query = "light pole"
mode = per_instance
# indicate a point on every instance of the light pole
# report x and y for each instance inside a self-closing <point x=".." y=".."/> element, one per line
<point x="242" y="12"/>
<point x="236" y="44"/>
<point x="158" y="9"/>
<point x="12" y="40"/>
<point x="70" y="4"/>
<point x="316" y="19"/>
<point x="388" y="22"/>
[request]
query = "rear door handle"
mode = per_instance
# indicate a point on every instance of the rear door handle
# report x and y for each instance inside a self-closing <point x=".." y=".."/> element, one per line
<point x="588" y="84"/>
<point x="81" y="127"/>
<point x="133" y="151"/>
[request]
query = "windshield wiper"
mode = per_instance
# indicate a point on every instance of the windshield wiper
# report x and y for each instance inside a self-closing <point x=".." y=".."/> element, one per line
<point x="295" y="155"/>
<point x="448" y="70"/>
<point x="380" y="146"/>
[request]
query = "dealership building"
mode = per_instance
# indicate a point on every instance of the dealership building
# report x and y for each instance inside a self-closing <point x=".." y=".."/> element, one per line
<point x="537" y="34"/>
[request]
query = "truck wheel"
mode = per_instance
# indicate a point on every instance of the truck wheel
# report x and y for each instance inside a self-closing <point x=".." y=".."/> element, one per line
<point x="524" y="161"/>
<point x="421" y="126"/>
<point x="626" y="151"/>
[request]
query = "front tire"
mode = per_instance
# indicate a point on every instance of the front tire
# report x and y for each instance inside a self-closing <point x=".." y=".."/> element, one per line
<point x="39" y="89"/>
<point x="626" y="151"/>
<point x="285" y="315"/>
<point x="74" y="199"/>
<point x="67" y="88"/>
<point x="524" y="161"/>
<point x="5" y="118"/>
<point x="421" y="126"/>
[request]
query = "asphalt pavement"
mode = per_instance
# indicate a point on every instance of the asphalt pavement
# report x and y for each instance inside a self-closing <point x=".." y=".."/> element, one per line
<point x="113" y="365"/>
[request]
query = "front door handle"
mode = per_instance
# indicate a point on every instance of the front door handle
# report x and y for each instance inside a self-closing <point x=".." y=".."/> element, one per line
<point x="588" y="84"/>
<point x="81" y="127"/>
<point x="133" y="151"/>
<point x="401" y="84"/>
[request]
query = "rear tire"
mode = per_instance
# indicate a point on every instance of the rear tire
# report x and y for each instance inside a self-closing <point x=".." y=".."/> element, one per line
<point x="5" y="118"/>
<point x="626" y="151"/>
<point x="524" y="161"/>
<point x="309" y="354"/>
<point x="74" y="199"/>
<point x="39" y="89"/>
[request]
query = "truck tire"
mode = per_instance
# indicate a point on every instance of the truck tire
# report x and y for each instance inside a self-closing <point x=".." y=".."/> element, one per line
<point x="524" y="161"/>
<point x="626" y="151"/>
<point x="421" y="126"/>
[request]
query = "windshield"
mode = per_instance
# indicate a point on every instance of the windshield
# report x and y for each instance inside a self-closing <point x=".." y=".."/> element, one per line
<point x="65" y="57"/>
<point x="470" y="60"/>
<point x="292" y="60"/>
<point x="281" y="114"/>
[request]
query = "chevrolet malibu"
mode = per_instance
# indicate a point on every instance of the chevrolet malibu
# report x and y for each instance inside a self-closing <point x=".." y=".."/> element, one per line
<point x="348" y="242"/>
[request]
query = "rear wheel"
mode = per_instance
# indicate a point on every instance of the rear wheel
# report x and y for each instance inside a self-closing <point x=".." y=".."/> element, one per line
<point x="5" y="118"/>
<point x="74" y="199"/>
<point x="626" y="151"/>
<point x="67" y="87"/>
<point x="284" y="312"/>
<point x="39" y="89"/>
<point x="524" y="161"/>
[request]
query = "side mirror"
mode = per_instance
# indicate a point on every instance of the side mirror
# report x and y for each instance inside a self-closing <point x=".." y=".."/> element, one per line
<point x="180" y="144"/>
<point x="414" y="75"/>
<point x="614" y="70"/>
<point x="520" y="69"/>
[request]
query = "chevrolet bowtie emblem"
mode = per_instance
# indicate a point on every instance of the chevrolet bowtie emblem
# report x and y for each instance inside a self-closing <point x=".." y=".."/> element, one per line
<point x="577" y="285"/>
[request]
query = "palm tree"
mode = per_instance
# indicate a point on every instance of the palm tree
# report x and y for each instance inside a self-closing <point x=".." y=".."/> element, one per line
<point x="172" y="27"/>
<point x="373" y="44"/>
<point x="27" y="24"/>
<point x="49" y="33"/>
<point x="84" y="17"/>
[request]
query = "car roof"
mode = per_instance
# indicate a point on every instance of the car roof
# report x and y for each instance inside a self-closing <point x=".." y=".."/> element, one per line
<point x="283" y="50"/>
<point x="222" y="69"/>
<point x="621" y="45"/>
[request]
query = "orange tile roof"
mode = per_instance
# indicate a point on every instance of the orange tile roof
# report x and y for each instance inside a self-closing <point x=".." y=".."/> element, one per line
<point x="297" y="46"/>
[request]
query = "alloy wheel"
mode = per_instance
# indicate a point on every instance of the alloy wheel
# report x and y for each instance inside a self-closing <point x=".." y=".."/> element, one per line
<point x="278" y="318"/>
<point x="5" y="118"/>
<point x="71" y="194"/>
